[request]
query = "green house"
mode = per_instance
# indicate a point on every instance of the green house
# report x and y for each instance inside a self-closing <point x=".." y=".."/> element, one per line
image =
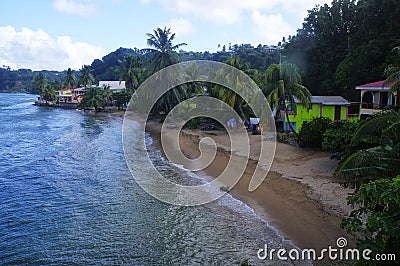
<point x="335" y="108"/>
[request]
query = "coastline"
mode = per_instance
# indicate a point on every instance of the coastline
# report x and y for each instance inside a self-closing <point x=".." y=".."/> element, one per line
<point x="306" y="210"/>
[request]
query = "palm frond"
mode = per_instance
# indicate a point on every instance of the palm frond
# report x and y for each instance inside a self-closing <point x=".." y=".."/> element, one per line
<point x="374" y="126"/>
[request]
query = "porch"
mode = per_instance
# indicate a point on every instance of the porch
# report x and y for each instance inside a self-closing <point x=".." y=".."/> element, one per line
<point x="375" y="97"/>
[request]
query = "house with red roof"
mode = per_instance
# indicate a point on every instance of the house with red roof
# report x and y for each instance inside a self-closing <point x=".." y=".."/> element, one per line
<point x="70" y="96"/>
<point x="376" y="97"/>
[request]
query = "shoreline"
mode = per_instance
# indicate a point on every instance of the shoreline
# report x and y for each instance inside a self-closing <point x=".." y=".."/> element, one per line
<point x="306" y="211"/>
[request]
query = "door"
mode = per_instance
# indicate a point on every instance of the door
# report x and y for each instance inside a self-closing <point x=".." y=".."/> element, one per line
<point x="337" y="112"/>
<point x="383" y="100"/>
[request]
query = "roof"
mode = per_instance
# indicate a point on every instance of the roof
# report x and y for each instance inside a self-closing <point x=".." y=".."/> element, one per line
<point x="115" y="85"/>
<point x="378" y="85"/>
<point x="72" y="89"/>
<point x="66" y="89"/>
<point x="328" y="100"/>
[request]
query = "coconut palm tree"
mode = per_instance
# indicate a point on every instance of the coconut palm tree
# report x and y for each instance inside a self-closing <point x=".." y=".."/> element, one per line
<point x="380" y="161"/>
<point x="375" y="174"/>
<point x="192" y="72"/>
<point x="229" y="96"/>
<point x="107" y="95"/>
<point x="392" y="73"/>
<point x="86" y="78"/>
<point x="122" y="98"/>
<point x="162" y="49"/>
<point x="70" y="79"/>
<point x="92" y="99"/>
<point x="42" y="86"/>
<point x="130" y="71"/>
<point x="48" y="94"/>
<point x="284" y="82"/>
<point x="163" y="54"/>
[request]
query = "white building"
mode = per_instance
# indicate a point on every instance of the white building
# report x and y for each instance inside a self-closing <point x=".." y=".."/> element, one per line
<point x="376" y="97"/>
<point x="115" y="85"/>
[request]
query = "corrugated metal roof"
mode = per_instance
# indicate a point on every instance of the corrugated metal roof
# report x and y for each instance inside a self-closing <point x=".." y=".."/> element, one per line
<point x="328" y="100"/>
<point x="378" y="85"/>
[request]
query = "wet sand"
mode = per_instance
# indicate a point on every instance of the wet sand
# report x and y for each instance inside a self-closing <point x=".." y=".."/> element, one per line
<point x="298" y="196"/>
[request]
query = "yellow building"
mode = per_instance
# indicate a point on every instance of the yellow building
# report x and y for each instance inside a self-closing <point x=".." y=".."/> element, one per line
<point x="336" y="108"/>
<point x="70" y="95"/>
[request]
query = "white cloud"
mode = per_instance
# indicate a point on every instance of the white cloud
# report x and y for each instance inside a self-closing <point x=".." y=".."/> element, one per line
<point x="180" y="26"/>
<point x="37" y="50"/>
<point x="271" y="27"/>
<point x="221" y="12"/>
<point x="266" y="21"/>
<point x="72" y="7"/>
<point x="228" y="12"/>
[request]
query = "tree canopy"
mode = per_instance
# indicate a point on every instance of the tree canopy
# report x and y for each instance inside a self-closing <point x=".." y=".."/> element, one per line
<point x="345" y="44"/>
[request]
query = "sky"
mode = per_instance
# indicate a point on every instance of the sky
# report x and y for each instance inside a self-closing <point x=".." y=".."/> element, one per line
<point x="58" y="34"/>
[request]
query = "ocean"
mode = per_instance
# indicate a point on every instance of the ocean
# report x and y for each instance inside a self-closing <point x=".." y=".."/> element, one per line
<point x="67" y="198"/>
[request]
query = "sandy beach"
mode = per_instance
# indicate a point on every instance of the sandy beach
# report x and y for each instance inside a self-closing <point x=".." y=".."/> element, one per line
<point x="298" y="197"/>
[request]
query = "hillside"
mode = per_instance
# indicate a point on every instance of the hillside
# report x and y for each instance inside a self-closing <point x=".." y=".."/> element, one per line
<point x="107" y="68"/>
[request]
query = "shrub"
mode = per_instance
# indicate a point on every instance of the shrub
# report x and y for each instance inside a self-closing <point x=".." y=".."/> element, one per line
<point x="377" y="216"/>
<point x="338" y="137"/>
<point x="311" y="132"/>
<point x="192" y="123"/>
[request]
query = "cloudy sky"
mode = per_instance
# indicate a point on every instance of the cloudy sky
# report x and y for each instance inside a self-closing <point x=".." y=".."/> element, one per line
<point x="57" y="34"/>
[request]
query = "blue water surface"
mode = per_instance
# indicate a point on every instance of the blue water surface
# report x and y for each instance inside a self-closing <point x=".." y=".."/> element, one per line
<point x="68" y="198"/>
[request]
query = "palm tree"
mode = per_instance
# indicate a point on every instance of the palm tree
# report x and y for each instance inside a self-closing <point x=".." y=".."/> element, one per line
<point x="192" y="72"/>
<point x="130" y="71"/>
<point x="163" y="54"/>
<point x="380" y="161"/>
<point x="49" y="94"/>
<point x="70" y="79"/>
<point x="92" y="99"/>
<point x="392" y="74"/>
<point x="284" y="82"/>
<point x="122" y="98"/>
<point x="163" y="50"/>
<point x="86" y="78"/>
<point x="229" y="96"/>
<point x="107" y="96"/>
<point x="41" y="85"/>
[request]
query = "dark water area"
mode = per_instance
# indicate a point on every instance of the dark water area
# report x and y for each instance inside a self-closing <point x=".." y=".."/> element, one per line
<point x="68" y="198"/>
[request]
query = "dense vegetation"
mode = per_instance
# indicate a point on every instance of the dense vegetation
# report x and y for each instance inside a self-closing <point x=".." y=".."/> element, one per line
<point x="373" y="168"/>
<point x="344" y="44"/>
<point x="109" y="67"/>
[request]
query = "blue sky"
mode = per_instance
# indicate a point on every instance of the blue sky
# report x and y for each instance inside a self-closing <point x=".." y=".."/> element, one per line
<point x="57" y="34"/>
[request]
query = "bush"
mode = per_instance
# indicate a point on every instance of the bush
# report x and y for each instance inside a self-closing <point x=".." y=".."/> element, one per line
<point x="286" y="137"/>
<point x="377" y="216"/>
<point x="192" y="123"/>
<point x="311" y="132"/>
<point x="338" y="137"/>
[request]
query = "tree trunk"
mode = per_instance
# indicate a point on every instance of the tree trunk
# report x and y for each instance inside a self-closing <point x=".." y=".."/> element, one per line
<point x="290" y="126"/>
<point x="243" y="116"/>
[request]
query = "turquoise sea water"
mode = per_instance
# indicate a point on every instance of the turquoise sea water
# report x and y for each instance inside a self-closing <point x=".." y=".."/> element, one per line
<point x="68" y="198"/>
